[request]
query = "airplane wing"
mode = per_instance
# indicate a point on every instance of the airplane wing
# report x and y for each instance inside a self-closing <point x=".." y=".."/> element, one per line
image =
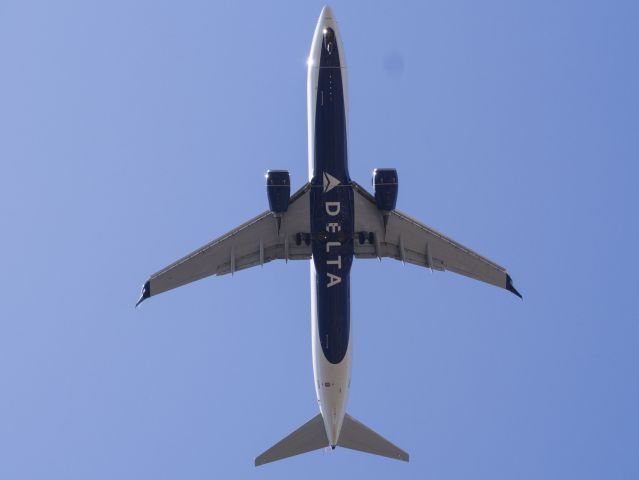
<point x="410" y="241"/>
<point x="256" y="242"/>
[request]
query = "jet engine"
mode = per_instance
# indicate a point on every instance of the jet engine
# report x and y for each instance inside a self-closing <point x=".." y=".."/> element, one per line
<point x="278" y="189"/>
<point x="386" y="187"/>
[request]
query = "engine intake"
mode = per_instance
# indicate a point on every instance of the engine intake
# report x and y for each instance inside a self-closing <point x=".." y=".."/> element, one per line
<point x="386" y="187"/>
<point x="278" y="190"/>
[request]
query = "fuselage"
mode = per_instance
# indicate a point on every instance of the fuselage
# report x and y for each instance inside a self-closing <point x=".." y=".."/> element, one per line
<point x="332" y="223"/>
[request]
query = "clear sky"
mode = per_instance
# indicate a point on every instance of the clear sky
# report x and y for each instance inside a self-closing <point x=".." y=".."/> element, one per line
<point x="134" y="132"/>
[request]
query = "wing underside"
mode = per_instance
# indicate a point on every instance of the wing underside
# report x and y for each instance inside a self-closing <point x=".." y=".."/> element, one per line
<point x="404" y="238"/>
<point x="264" y="239"/>
<point x="256" y="242"/>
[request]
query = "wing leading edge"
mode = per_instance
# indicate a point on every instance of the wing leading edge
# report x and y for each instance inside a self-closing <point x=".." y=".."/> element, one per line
<point x="404" y="238"/>
<point x="256" y="242"/>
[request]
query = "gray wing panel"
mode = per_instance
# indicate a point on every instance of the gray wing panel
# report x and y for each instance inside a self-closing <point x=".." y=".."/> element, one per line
<point x="253" y="243"/>
<point x="413" y="242"/>
<point x="357" y="436"/>
<point x="310" y="436"/>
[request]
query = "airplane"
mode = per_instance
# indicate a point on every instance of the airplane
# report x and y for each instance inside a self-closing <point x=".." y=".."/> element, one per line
<point x="330" y="221"/>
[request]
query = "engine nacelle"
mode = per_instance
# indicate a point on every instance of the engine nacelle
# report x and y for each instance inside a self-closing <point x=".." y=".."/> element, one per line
<point x="278" y="190"/>
<point x="386" y="187"/>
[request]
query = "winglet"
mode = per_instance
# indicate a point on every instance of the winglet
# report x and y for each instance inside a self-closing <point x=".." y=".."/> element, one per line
<point x="146" y="293"/>
<point x="511" y="288"/>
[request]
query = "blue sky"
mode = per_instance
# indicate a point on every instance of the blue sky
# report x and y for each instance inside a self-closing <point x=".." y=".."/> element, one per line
<point x="133" y="132"/>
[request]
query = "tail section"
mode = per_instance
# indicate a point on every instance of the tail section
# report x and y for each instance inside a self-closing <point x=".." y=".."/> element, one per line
<point x="310" y="436"/>
<point x="357" y="436"/>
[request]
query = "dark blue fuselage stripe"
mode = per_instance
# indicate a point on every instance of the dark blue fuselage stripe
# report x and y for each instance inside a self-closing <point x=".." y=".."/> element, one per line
<point x="332" y="216"/>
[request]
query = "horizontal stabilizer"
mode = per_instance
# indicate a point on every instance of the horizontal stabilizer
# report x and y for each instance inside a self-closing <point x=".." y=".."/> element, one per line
<point x="310" y="436"/>
<point x="357" y="436"/>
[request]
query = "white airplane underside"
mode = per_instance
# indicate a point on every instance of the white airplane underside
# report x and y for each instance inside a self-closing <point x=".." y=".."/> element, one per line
<point x="329" y="221"/>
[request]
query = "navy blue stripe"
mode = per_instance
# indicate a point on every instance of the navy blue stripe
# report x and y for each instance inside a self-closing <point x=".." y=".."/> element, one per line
<point x="332" y="218"/>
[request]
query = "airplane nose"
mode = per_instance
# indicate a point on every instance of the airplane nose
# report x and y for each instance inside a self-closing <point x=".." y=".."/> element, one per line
<point x="327" y="13"/>
<point x="326" y="40"/>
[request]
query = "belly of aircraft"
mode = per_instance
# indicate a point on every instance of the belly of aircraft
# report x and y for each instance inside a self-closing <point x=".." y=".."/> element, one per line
<point x="332" y="225"/>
